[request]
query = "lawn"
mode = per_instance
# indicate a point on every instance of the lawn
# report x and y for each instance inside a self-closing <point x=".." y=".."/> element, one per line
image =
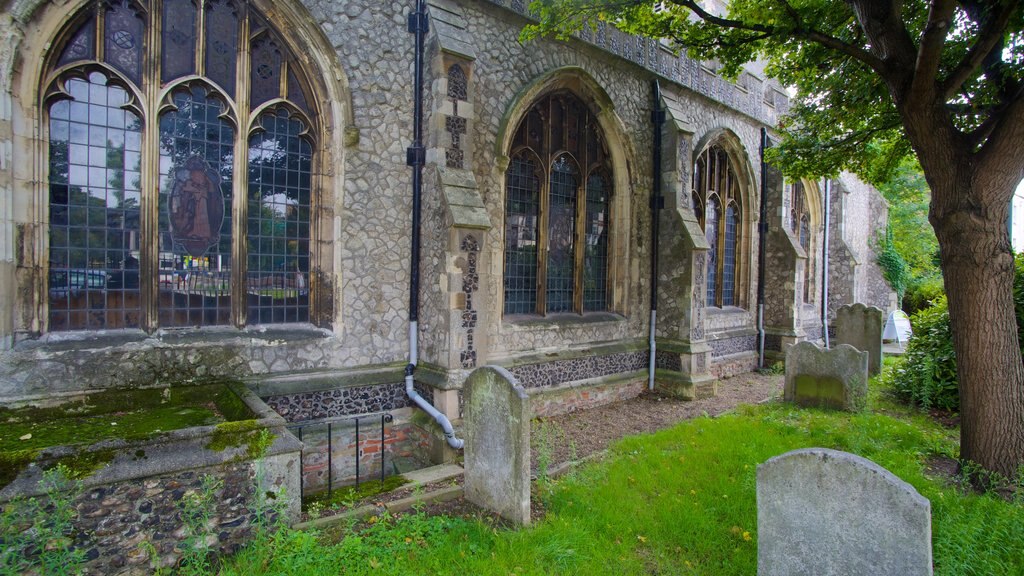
<point x="681" y="501"/>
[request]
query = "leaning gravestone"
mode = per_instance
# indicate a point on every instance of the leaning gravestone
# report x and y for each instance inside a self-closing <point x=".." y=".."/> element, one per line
<point x="826" y="378"/>
<point x="496" y="419"/>
<point x="861" y="326"/>
<point x="822" y="512"/>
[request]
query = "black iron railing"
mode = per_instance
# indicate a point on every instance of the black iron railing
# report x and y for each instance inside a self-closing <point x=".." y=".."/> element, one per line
<point x="298" y="427"/>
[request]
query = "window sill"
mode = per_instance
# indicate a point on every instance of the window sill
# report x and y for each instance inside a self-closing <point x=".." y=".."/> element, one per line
<point x="561" y="320"/>
<point x="94" y="339"/>
<point x="727" y="310"/>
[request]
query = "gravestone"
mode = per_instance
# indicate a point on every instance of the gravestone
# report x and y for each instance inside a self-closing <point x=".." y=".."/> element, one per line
<point x="822" y="512"/>
<point x="826" y="378"/>
<point x="497" y="427"/>
<point x="860" y="326"/>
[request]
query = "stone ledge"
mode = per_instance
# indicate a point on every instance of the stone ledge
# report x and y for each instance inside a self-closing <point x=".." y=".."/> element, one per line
<point x="603" y="349"/>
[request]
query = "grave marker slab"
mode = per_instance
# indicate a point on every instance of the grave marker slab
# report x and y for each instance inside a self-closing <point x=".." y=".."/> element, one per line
<point x="497" y="428"/>
<point x="826" y="378"/>
<point x="823" y="512"/>
<point x="861" y="326"/>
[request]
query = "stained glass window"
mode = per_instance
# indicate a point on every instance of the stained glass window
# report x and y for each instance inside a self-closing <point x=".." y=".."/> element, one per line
<point x="595" y="269"/>
<point x="553" y="206"/>
<point x="94" y="209"/>
<point x="196" y="182"/>
<point x="800" y="224"/>
<point x="562" y="234"/>
<point x="715" y="186"/>
<point x="101" y="261"/>
<point x="522" y="204"/>
<point x="732" y="222"/>
<point x="711" y="232"/>
<point x="280" y="163"/>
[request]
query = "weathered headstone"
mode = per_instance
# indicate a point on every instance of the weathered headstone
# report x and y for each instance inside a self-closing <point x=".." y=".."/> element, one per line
<point x="861" y="326"/>
<point x="497" y="427"/>
<point x="822" y="512"/>
<point x="826" y="378"/>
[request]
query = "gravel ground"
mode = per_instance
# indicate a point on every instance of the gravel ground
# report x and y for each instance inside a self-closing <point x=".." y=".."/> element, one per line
<point x="577" y="435"/>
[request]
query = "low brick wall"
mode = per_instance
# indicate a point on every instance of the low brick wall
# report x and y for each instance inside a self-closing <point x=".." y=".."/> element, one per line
<point x="405" y="445"/>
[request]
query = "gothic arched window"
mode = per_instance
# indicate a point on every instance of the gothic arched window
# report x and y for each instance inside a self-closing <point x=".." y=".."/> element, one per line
<point x="800" y="224"/>
<point x="558" y="190"/>
<point x="181" y="157"/>
<point x="717" y="204"/>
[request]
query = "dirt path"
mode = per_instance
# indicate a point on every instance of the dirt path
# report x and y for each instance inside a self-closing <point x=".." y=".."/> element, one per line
<point x="580" y="434"/>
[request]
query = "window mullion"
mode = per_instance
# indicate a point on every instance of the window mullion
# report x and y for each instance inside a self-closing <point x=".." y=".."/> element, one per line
<point x="149" y="216"/>
<point x="579" y="243"/>
<point x="542" y="239"/>
<point x="240" y="198"/>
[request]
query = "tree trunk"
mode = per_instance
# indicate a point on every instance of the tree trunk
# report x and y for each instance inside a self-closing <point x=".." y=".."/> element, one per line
<point x="978" y="269"/>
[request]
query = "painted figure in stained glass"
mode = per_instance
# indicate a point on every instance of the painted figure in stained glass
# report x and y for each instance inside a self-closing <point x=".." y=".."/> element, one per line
<point x="196" y="207"/>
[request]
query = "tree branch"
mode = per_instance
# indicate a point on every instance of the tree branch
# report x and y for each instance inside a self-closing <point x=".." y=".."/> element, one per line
<point x="799" y="30"/>
<point x="988" y="37"/>
<point x="929" y="54"/>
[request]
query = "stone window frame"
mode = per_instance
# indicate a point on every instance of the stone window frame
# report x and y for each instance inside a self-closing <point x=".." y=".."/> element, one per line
<point x="736" y="196"/>
<point x="805" y="205"/>
<point x="34" y="57"/>
<point x="621" y="155"/>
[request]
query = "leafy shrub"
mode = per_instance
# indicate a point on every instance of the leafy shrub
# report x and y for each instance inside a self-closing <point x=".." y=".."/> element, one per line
<point x="922" y="292"/>
<point x="926" y="375"/>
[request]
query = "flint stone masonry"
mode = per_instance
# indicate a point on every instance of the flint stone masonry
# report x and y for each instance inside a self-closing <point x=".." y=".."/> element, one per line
<point x="497" y="426"/>
<point x="860" y="326"/>
<point x="828" y="378"/>
<point x="822" y="512"/>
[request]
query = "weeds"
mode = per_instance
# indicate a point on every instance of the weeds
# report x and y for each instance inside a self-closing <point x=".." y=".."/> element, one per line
<point x="197" y="511"/>
<point x="39" y="532"/>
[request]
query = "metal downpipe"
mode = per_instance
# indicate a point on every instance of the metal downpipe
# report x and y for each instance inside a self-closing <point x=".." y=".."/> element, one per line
<point x="657" y="202"/>
<point x="416" y="157"/>
<point x="824" y="263"/>
<point x="762" y="249"/>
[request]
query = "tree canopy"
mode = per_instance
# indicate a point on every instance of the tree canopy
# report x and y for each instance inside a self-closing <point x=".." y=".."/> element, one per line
<point x="966" y="55"/>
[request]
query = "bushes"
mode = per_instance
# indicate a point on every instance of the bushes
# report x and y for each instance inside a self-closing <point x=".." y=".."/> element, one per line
<point x="926" y="376"/>
<point x="922" y="292"/>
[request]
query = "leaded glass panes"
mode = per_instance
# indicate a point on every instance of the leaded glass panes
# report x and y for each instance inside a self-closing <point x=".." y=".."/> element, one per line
<point x="562" y="234"/>
<point x="82" y="45"/>
<point x="221" y="43"/>
<point x="805" y="243"/>
<point x="711" y="232"/>
<point x="178" y="51"/>
<point x="266" y="71"/>
<point x="123" y="40"/>
<point x="595" y="269"/>
<point x="196" y="151"/>
<point x="717" y="204"/>
<point x="732" y="222"/>
<point x="94" y="209"/>
<point x="557" y="137"/>
<point x="100" y="187"/>
<point x="522" y="204"/>
<point x="280" y="164"/>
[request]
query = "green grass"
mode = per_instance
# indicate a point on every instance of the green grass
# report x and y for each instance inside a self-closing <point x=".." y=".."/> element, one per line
<point x="681" y="501"/>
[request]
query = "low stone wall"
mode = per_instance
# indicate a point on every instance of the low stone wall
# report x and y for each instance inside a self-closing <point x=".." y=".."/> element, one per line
<point x="729" y="366"/>
<point x="585" y="395"/>
<point x="137" y="498"/>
